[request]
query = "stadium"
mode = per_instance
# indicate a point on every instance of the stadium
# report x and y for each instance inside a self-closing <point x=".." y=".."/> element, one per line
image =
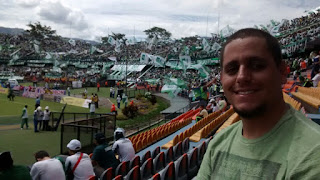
<point x="171" y="99"/>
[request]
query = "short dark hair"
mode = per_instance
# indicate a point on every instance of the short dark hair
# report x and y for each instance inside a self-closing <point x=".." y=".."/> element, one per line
<point x="271" y="42"/>
<point x="41" y="154"/>
<point x="26" y="106"/>
<point x="100" y="138"/>
<point x="6" y="161"/>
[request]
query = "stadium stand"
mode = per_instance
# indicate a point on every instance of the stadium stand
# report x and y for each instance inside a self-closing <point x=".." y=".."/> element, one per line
<point x="310" y="97"/>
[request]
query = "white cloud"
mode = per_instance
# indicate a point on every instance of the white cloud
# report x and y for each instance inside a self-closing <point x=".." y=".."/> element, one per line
<point x="58" y="13"/>
<point x="27" y="3"/>
<point x="89" y="19"/>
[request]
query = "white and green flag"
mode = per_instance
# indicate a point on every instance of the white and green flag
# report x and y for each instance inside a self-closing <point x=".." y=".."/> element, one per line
<point x="92" y="49"/>
<point x="185" y="62"/>
<point x="111" y="40"/>
<point x="216" y="47"/>
<point x="48" y="56"/>
<point x="144" y="58"/>
<point x="205" y="45"/>
<point x="36" y="48"/>
<point x="159" y="61"/>
<point x="131" y="41"/>
<point x="226" y="31"/>
<point x="117" y="47"/>
<point x="201" y="70"/>
<point x="72" y="42"/>
<point x="152" y="42"/>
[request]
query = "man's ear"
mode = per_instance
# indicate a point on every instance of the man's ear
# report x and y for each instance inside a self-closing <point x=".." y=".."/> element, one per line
<point x="283" y="72"/>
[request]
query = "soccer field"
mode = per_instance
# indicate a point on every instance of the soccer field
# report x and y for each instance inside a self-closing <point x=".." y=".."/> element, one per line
<point x="24" y="143"/>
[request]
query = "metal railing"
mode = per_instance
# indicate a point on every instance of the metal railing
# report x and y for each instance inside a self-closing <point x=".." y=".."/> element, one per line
<point x="84" y="131"/>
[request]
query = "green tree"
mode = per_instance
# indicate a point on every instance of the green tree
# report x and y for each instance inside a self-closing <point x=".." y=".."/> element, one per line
<point x="39" y="31"/>
<point x="116" y="36"/>
<point x="157" y="32"/>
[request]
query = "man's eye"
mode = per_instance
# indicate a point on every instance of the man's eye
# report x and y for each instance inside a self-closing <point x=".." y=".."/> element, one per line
<point x="258" y="66"/>
<point x="231" y="70"/>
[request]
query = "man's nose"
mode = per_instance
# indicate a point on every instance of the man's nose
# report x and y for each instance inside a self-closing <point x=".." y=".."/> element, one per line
<point x="244" y="75"/>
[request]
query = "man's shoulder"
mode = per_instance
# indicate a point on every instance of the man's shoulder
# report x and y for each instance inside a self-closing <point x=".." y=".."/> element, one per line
<point x="305" y="128"/>
<point x="226" y="134"/>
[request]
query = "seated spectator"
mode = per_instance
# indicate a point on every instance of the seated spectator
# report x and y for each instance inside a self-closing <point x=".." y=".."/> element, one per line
<point x="10" y="171"/>
<point x="212" y="106"/>
<point x="123" y="146"/>
<point x="203" y="113"/>
<point x="103" y="157"/>
<point x="222" y="103"/>
<point x="316" y="79"/>
<point x="46" y="167"/>
<point x="78" y="164"/>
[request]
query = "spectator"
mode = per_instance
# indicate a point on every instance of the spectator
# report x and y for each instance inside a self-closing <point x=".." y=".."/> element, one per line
<point x="37" y="102"/>
<point x="37" y="116"/>
<point x="212" y="106"/>
<point x="272" y="140"/>
<point x="10" y="171"/>
<point x="118" y="101"/>
<point x="113" y="109"/>
<point x="316" y="79"/>
<point x="92" y="108"/>
<point x="98" y="87"/>
<point x="24" y="117"/>
<point x="68" y="91"/>
<point x="203" y="113"/>
<point x="222" y="104"/>
<point x="78" y="164"/>
<point x="46" y="118"/>
<point x="103" y="157"/>
<point x="96" y="100"/>
<point x="123" y="146"/>
<point x="46" y="168"/>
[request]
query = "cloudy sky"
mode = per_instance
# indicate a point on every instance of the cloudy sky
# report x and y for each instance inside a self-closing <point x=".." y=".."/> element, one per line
<point x="92" y="19"/>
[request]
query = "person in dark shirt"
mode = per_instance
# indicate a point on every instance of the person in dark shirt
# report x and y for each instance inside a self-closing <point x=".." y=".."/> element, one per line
<point x="10" y="171"/>
<point x="103" y="157"/>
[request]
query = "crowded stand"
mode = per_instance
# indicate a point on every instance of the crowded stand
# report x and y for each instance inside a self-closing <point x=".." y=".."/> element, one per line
<point x="176" y="149"/>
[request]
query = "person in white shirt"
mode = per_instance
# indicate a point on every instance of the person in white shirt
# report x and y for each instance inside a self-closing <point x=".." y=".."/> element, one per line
<point x="24" y="117"/>
<point x="46" y="168"/>
<point x="316" y="79"/>
<point x="123" y="146"/>
<point x="46" y="118"/>
<point x="118" y="101"/>
<point x="84" y="169"/>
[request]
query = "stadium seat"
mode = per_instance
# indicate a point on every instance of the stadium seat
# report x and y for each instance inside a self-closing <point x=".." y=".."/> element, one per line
<point x="207" y="141"/>
<point x="185" y="145"/>
<point x="193" y="163"/>
<point x="134" y="174"/>
<point x="107" y="174"/>
<point x="119" y="177"/>
<point x="177" y="150"/>
<point x="146" y="169"/>
<point x="145" y="157"/>
<point x="169" y="155"/>
<point x="168" y="173"/>
<point x="155" y="152"/>
<point x="159" y="162"/>
<point x="92" y="177"/>
<point x="201" y="151"/>
<point x="156" y="177"/>
<point x="181" y="167"/>
<point x="135" y="162"/>
<point x="123" y="168"/>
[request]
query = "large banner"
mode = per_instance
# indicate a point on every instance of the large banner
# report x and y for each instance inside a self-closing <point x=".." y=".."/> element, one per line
<point x="36" y="92"/>
<point x="3" y="90"/>
<point x="75" y="101"/>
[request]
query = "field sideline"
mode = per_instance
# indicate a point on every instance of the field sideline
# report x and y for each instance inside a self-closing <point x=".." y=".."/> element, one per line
<point x="24" y="143"/>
